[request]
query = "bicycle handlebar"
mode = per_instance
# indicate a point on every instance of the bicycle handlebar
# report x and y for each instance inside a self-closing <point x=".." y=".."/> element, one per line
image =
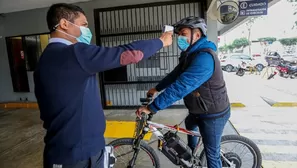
<point x="146" y="101"/>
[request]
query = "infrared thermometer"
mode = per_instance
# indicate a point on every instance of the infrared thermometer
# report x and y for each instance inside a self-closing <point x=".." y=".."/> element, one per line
<point x="167" y="28"/>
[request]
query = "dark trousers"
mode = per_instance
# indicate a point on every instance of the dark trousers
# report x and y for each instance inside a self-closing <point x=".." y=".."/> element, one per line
<point x="96" y="161"/>
<point x="211" y="131"/>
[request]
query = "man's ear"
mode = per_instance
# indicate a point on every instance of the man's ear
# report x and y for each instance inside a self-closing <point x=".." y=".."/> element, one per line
<point x="197" y="35"/>
<point x="64" y="24"/>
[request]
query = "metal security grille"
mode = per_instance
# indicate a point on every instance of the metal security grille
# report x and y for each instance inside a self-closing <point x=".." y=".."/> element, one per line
<point x="122" y="87"/>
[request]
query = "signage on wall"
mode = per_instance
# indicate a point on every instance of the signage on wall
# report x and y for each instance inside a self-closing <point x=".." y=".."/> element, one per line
<point x="253" y="7"/>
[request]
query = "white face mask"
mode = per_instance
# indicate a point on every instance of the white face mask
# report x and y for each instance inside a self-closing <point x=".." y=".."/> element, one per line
<point x="86" y="34"/>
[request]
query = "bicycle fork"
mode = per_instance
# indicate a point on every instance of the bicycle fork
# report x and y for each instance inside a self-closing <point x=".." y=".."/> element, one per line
<point x="136" y="148"/>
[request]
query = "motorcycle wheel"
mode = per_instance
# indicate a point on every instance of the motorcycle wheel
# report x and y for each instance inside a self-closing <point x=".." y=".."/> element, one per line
<point x="240" y="73"/>
<point x="284" y="75"/>
<point x="293" y="76"/>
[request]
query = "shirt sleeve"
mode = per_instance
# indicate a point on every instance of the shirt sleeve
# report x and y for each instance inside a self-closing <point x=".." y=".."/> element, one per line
<point x="95" y="59"/>
<point x="199" y="71"/>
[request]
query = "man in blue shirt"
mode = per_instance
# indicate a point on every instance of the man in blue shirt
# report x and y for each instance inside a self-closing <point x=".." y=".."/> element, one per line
<point x="198" y="79"/>
<point x="67" y="90"/>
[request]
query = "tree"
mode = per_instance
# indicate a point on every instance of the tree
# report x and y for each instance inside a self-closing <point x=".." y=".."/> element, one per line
<point x="288" y="41"/>
<point x="241" y="42"/>
<point x="269" y="39"/>
<point x="223" y="48"/>
<point x="230" y="47"/>
<point x="249" y="25"/>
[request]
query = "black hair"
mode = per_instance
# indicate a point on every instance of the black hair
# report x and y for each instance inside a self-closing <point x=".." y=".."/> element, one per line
<point x="61" y="11"/>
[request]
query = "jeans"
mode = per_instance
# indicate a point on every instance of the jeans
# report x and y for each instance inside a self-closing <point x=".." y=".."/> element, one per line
<point x="96" y="161"/>
<point x="211" y="130"/>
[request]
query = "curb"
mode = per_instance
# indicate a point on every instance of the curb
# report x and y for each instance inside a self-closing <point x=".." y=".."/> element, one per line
<point x="285" y="104"/>
<point x="122" y="129"/>
<point x="273" y="103"/>
<point x="237" y="104"/>
<point x="19" y="105"/>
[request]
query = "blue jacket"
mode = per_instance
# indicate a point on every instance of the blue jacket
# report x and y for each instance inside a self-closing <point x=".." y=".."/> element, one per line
<point x="178" y="86"/>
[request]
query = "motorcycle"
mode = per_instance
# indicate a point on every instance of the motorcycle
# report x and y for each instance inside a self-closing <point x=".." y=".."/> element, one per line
<point x="283" y="70"/>
<point x="287" y="69"/>
<point x="241" y="68"/>
<point x="292" y="70"/>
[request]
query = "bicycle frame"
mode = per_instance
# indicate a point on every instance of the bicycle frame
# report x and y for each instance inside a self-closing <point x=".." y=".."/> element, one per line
<point x="153" y="127"/>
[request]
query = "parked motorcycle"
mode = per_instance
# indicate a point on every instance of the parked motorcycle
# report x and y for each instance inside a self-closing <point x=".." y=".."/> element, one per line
<point x="287" y="69"/>
<point x="283" y="70"/>
<point x="293" y="71"/>
<point x="241" y="68"/>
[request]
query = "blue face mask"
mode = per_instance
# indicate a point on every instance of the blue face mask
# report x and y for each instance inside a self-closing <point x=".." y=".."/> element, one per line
<point x="182" y="42"/>
<point x="85" y="34"/>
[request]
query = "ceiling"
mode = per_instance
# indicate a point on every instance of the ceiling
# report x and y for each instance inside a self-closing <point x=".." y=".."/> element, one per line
<point x="8" y="6"/>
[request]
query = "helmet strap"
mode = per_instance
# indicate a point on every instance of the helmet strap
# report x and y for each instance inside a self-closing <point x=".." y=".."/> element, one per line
<point x="192" y="33"/>
<point x="191" y="41"/>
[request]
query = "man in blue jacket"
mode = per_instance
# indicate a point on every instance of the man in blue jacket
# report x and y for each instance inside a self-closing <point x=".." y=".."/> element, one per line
<point x="67" y="90"/>
<point x="198" y="79"/>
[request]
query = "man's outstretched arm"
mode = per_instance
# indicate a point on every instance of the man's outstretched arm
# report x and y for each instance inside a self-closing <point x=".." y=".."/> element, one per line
<point x="95" y="59"/>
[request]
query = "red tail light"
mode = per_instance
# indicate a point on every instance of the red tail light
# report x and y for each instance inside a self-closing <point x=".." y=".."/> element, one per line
<point x="223" y="60"/>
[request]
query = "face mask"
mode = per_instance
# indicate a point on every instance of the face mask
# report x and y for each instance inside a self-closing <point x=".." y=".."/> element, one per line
<point x="85" y="37"/>
<point x="182" y="43"/>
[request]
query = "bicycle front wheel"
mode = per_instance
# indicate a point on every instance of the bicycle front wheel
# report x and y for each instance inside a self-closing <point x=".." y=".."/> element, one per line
<point x="123" y="150"/>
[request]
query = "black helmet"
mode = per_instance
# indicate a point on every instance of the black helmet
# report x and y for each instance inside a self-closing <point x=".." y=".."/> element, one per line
<point x="191" y="22"/>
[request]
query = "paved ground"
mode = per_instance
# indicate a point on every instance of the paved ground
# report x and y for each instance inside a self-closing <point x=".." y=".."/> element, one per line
<point x="274" y="130"/>
<point x="21" y="135"/>
<point x="251" y="90"/>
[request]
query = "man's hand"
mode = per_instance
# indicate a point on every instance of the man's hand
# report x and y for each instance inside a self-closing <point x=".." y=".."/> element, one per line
<point x="166" y="38"/>
<point x="151" y="92"/>
<point x="143" y="109"/>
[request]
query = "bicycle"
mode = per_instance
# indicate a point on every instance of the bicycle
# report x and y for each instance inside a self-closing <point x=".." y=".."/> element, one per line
<point x="177" y="150"/>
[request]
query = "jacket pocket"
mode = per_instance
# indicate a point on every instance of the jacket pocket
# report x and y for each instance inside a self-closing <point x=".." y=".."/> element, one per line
<point x="202" y="104"/>
<point x="194" y="102"/>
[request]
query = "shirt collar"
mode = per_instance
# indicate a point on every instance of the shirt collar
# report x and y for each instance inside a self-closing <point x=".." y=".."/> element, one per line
<point x="60" y="40"/>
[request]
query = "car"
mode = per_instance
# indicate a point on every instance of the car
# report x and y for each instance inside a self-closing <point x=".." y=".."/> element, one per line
<point x="273" y="58"/>
<point x="290" y="58"/>
<point x="230" y="62"/>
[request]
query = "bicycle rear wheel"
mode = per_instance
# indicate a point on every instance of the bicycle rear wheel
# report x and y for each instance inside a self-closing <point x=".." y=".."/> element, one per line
<point x="147" y="157"/>
<point x="235" y="155"/>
